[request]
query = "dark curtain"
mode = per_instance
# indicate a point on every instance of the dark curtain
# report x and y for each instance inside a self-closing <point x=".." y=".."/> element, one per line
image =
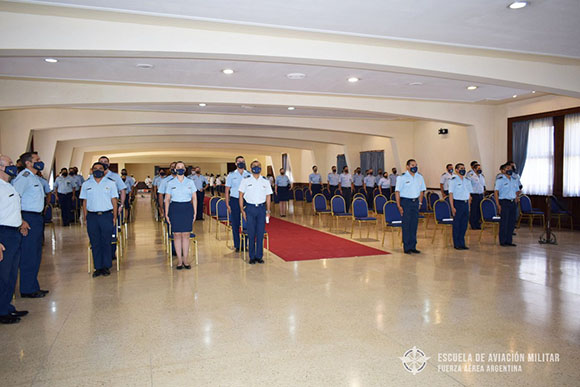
<point x="372" y="159"/>
<point x="520" y="131"/>
<point x="340" y="162"/>
<point x="285" y="161"/>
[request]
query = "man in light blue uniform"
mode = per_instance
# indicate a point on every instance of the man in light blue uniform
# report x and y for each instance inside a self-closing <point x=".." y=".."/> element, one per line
<point x="201" y="184"/>
<point x="255" y="190"/>
<point x="409" y="192"/>
<point x="444" y="181"/>
<point x="78" y="181"/>
<point x="393" y="179"/>
<point x="129" y="185"/>
<point x="64" y="187"/>
<point x="477" y="179"/>
<point x="10" y="241"/>
<point x="47" y="213"/>
<point x="282" y="188"/>
<point x="369" y="185"/>
<point x="460" y="189"/>
<point x="345" y="186"/>
<point x="379" y="176"/>
<point x="315" y="181"/>
<point x="333" y="180"/>
<point x="358" y="180"/>
<point x="32" y="195"/>
<point x="233" y="181"/>
<point x="506" y="194"/>
<point x="162" y="187"/>
<point x="100" y="210"/>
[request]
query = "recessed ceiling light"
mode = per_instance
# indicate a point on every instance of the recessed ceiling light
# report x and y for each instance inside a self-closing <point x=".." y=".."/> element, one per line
<point x="145" y="66"/>
<point x="416" y="84"/>
<point x="515" y="96"/>
<point x="518" y="4"/>
<point x="291" y="108"/>
<point x="353" y="79"/>
<point x="533" y="91"/>
<point x="50" y="60"/>
<point x="202" y="104"/>
<point x="296" y="76"/>
<point x="472" y="87"/>
<point x="228" y="71"/>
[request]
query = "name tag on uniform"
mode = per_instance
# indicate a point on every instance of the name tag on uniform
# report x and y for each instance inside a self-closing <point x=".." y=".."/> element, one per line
<point x="407" y="182"/>
<point x="173" y="187"/>
<point x="10" y="195"/>
<point x="88" y="189"/>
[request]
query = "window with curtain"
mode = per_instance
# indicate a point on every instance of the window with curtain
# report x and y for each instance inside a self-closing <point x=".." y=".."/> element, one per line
<point x="340" y="162"/>
<point x="572" y="155"/>
<point x="538" y="176"/>
<point x="286" y="165"/>
<point x="372" y="159"/>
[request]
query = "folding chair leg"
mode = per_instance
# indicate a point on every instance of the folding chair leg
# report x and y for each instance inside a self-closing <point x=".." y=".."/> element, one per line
<point x="90" y="256"/>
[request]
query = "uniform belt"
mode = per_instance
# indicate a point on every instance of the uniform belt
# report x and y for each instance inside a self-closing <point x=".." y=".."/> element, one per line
<point x="458" y="200"/>
<point x="100" y="212"/>
<point x="476" y="194"/>
<point x="413" y="200"/>
<point x="10" y="228"/>
<point x="256" y="205"/>
<point x="507" y="200"/>
<point x="32" y="212"/>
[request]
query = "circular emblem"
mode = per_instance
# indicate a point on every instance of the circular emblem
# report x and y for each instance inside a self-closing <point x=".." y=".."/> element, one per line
<point x="414" y="360"/>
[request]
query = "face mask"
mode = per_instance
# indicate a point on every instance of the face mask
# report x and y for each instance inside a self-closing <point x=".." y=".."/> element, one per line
<point x="106" y="166"/>
<point x="369" y="173"/>
<point x="124" y="178"/>
<point x="414" y="169"/>
<point x="11" y="170"/>
<point x="161" y="174"/>
<point x="65" y="174"/>
<point x="479" y="171"/>
<point x="39" y="165"/>
<point x="124" y="173"/>
<point x="385" y="176"/>
<point x="346" y="171"/>
<point x="315" y="170"/>
<point x="98" y="173"/>
<point x="282" y="173"/>
<point x="72" y="173"/>
<point x="180" y="171"/>
<point x="450" y="170"/>
<point x="334" y="171"/>
<point x="395" y="172"/>
<point x="462" y="172"/>
<point x="241" y="165"/>
<point x="173" y="171"/>
<point x="256" y="169"/>
<point x="198" y="172"/>
<point x="510" y="172"/>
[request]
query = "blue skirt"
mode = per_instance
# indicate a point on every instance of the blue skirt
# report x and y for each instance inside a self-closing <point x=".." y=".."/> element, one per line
<point x="181" y="216"/>
<point x="283" y="194"/>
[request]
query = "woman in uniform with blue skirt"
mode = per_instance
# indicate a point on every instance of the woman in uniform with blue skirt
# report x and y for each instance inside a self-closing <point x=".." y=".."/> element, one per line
<point x="282" y="191"/>
<point x="180" y="209"/>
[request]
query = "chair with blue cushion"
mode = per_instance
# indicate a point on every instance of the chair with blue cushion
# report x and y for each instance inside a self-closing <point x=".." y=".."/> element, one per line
<point x="308" y="196"/>
<point x="425" y="212"/>
<point x="213" y="209"/>
<point x="526" y="211"/>
<point x="358" y="195"/>
<point x="443" y="218"/>
<point x="338" y="210"/>
<point x="393" y="197"/>
<point x="320" y="207"/>
<point x="298" y="196"/>
<point x="433" y="197"/>
<point x="379" y="204"/>
<point x="244" y="239"/>
<point x="360" y="214"/>
<point x="559" y="212"/>
<point x="489" y="218"/>
<point x="222" y="217"/>
<point x="192" y="238"/>
<point x="393" y="220"/>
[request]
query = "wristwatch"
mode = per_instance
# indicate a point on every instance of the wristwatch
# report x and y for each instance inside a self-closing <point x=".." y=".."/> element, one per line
<point x="267" y="212"/>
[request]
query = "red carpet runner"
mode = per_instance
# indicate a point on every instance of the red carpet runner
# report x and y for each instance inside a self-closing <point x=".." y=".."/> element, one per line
<point x="293" y="242"/>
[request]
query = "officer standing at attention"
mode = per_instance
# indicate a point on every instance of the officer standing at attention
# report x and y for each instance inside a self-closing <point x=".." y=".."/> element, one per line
<point x="315" y="181"/>
<point x="201" y="184"/>
<point x="256" y="191"/>
<point x="409" y="192"/>
<point x="385" y="185"/>
<point x="10" y="240"/>
<point x="47" y="215"/>
<point x="282" y="189"/>
<point x="78" y="181"/>
<point x="369" y="185"/>
<point x="506" y="194"/>
<point x="358" y="180"/>
<point x="64" y="187"/>
<point x="129" y="185"/>
<point x="163" y="185"/>
<point x="345" y="186"/>
<point x="100" y="211"/>
<point x="121" y="192"/>
<point x="475" y="176"/>
<point x="444" y="181"/>
<point x="459" y="198"/>
<point x="232" y="192"/>
<point x="379" y="176"/>
<point x="333" y="180"/>
<point x="393" y="179"/>
<point x="31" y="192"/>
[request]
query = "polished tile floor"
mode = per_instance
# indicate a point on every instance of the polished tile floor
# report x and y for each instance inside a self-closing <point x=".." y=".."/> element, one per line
<point x="337" y="322"/>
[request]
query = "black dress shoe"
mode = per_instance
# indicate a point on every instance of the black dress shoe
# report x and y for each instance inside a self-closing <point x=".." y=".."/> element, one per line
<point x="237" y="249"/>
<point x="19" y="313"/>
<point x="408" y="251"/>
<point x="33" y="295"/>
<point x="457" y="248"/>
<point x="415" y="251"/>
<point x="251" y="262"/>
<point x="188" y="267"/>
<point x="114" y="257"/>
<point x="44" y="291"/>
<point x="106" y="272"/>
<point x="260" y="260"/>
<point x="97" y="273"/>
<point x="179" y="267"/>
<point x="8" y="319"/>
<point x="511" y="244"/>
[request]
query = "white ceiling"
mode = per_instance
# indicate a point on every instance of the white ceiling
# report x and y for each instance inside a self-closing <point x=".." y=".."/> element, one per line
<point x="251" y="75"/>
<point x="545" y="27"/>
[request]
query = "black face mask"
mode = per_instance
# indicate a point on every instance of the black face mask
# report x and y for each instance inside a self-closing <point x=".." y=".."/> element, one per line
<point x="65" y="174"/>
<point x="124" y="173"/>
<point x="161" y="174"/>
<point x="394" y="172"/>
<point x="334" y="171"/>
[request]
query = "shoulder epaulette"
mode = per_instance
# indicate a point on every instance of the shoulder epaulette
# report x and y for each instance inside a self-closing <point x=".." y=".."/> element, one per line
<point x="110" y="178"/>
<point x="453" y="177"/>
<point x="247" y="176"/>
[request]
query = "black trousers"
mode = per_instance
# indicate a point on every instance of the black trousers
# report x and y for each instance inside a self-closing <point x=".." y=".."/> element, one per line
<point x="100" y="228"/>
<point x="332" y="189"/>
<point x="475" y="211"/>
<point x="507" y="223"/>
<point x="347" y="194"/>
<point x="66" y="208"/>
<point x="10" y="238"/>
<point x="370" y="197"/>
<point x="460" y="222"/>
<point x="410" y="223"/>
<point x="200" y="195"/>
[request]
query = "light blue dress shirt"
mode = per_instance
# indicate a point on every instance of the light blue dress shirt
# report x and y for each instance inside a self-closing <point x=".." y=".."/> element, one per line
<point x="78" y="181"/>
<point x="409" y="186"/>
<point x="445" y="180"/>
<point x="99" y="195"/>
<point x="384" y="183"/>
<point x="198" y="180"/>
<point x="162" y="189"/>
<point x="477" y="182"/>
<point x="31" y="191"/>
<point x="156" y="180"/>
<point x="117" y="179"/>
<point x="370" y="181"/>
<point x="129" y="183"/>
<point x="393" y="179"/>
<point x="282" y="181"/>
<point x="357" y="179"/>
<point x="315" y="178"/>
<point x="377" y="179"/>
<point x="63" y="185"/>
<point x="10" y="214"/>
<point x="460" y="188"/>
<point x="45" y="185"/>
<point x="506" y="187"/>
<point x="233" y="181"/>
<point x="255" y="190"/>
<point x="180" y="191"/>
<point x="333" y="178"/>
<point x="345" y="180"/>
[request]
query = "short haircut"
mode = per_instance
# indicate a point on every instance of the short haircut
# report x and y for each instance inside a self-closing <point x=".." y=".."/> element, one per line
<point x="64" y="169"/>
<point x="27" y="156"/>
<point x="104" y="157"/>
<point x="343" y="168"/>
<point x="509" y="162"/>
<point x="314" y="166"/>
<point x="448" y="165"/>
<point x="179" y="162"/>
<point x="410" y="161"/>
<point x="503" y="166"/>
<point x="258" y="161"/>
<point x="239" y="157"/>
<point x="97" y="163"/>
<point x="473" y="163"/>
<point x="459" y="165"/>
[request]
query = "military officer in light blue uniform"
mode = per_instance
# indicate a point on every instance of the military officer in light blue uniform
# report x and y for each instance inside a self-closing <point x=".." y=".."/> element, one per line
<point x="369" y="185"/>
<point x="460" y="190"/>
<point x="393" y="179"/>
<point x="10" y="241"/>
<point x="201" y="184"/>
<point x="100" y="195"/>
<point x="444" y="181"/>
<point x="315" y="181"/>
<point x="32" y="195"/>
<point x="507" y="190"/>
<point x="64" y="187"/>
<point x="255" y="190"/>
<point x="129" y="185"/>
<point x="409" y="192"/>
<point x="233" y="181"/>
<point x="378" y="177"/>
<point x="162" y="185"/>
<point x="345" y="186"/>
<point x="333" y="179"/>
<point x="358" y="180"/>
<point x="282" y="187"/>
<point x="477" y="179"/>
<point x="78" y="181"/>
